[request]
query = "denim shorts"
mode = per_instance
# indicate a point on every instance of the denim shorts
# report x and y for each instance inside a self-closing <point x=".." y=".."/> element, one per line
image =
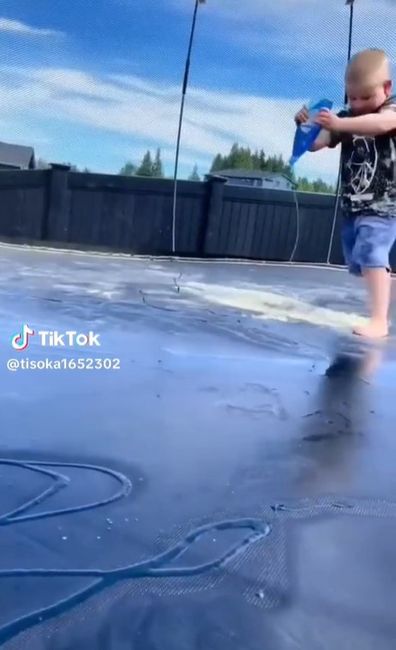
<point x="367" y="242"/>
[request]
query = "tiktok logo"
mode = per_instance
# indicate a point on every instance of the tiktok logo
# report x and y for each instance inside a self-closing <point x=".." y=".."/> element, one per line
<point x="21" y="341"/>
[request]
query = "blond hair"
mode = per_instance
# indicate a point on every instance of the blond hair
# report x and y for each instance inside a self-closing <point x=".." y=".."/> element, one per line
<point x="368" y="69"/>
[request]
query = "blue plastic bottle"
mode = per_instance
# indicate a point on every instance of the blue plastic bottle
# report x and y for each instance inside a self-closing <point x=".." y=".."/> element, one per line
<point x="307" y="133"/>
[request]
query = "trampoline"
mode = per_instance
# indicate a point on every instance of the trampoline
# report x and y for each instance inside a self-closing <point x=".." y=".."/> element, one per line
<point x="225" y="481"/>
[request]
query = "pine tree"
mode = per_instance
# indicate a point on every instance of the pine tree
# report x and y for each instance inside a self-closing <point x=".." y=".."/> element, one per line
<point x="270" y="164"/>
<point x="158" y="171"/>
<point x="289" y="172"/>
<point x="317" y="186"/>
<point x="256" y="160"/>
<point x="240" y="158"/>
<point x="243" y="158"/>
<point x="303" y="184"/>
<point x="146" y="166"/>
<point x="194" y="176"/>
<point x="218" y="163"/>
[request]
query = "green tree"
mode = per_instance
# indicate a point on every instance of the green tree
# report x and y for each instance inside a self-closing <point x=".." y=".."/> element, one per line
<point x="240" y="158"/>
<point x="244" y="158"/>
<point x="275" y="164"/>
<point x="194" y="176"/>
<point x="303" y="184"/>
<point x="157" y="169"/>
<point x="217" y="164"/>
<point x="317" y="186"/>
<point x="258" y="160"/>
<point x="146" y="166"/>
<point x="129" y="169"/>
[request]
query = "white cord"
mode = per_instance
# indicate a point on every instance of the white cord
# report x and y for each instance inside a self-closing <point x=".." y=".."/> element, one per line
<point x="337" y="202"/>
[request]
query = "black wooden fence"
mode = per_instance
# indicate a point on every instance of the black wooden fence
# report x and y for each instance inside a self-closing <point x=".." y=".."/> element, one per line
<point x="130" y="214"/>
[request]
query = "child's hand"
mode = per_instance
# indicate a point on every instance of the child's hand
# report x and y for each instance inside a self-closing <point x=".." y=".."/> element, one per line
<point x="328" y="120"/>
<point x="302" y="116"/>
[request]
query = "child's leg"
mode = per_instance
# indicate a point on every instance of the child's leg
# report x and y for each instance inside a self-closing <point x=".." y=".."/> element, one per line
<point x="374" y="240"/>
<point x="348" y="241"/>
<point x="379" y="289"/>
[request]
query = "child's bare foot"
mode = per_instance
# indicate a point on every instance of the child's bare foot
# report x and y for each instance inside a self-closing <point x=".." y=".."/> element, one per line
<point x="373" y="330"/>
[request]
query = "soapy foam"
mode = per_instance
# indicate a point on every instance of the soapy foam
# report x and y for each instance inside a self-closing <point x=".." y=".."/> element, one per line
<point x="268" y="305"/>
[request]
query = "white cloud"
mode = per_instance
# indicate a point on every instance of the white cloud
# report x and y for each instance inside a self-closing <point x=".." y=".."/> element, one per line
<point x="147" y="112"/>
<point x="23" y="29"/>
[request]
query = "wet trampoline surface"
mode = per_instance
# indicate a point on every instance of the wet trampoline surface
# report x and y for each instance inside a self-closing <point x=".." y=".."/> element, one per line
<point x="228" y="483"/>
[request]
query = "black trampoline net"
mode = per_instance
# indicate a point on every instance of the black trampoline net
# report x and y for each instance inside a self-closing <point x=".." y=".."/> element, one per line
<point x="99" y="85"/>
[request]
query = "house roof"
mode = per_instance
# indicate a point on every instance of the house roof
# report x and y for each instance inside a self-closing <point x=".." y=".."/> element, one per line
<point x="16" y="155"/>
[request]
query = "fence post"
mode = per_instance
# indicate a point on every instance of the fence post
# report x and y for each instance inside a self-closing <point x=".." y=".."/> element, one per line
<point x="213" y="214"/>
<point x="55" y="224"/>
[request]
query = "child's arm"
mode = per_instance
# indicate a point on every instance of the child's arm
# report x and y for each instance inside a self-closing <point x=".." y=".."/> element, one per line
<point x="372" y="124"/>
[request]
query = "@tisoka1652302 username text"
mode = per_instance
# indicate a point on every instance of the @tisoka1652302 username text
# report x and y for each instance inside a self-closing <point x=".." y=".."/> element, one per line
<point x="72" y="364"/>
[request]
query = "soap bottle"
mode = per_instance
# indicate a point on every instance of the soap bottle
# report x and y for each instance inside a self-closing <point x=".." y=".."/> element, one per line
<point x="307" y="132"/>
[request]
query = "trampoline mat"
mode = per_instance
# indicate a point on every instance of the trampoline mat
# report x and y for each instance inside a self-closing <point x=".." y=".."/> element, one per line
<point x="230" y="485"/>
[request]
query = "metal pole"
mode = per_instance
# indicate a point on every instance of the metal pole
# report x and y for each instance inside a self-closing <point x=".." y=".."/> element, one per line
<point x="351" y="4"/>
<point x="184" y="91"/>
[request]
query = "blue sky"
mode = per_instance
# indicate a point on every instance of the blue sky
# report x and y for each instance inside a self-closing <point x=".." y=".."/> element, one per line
<point x="98" y="82"/>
